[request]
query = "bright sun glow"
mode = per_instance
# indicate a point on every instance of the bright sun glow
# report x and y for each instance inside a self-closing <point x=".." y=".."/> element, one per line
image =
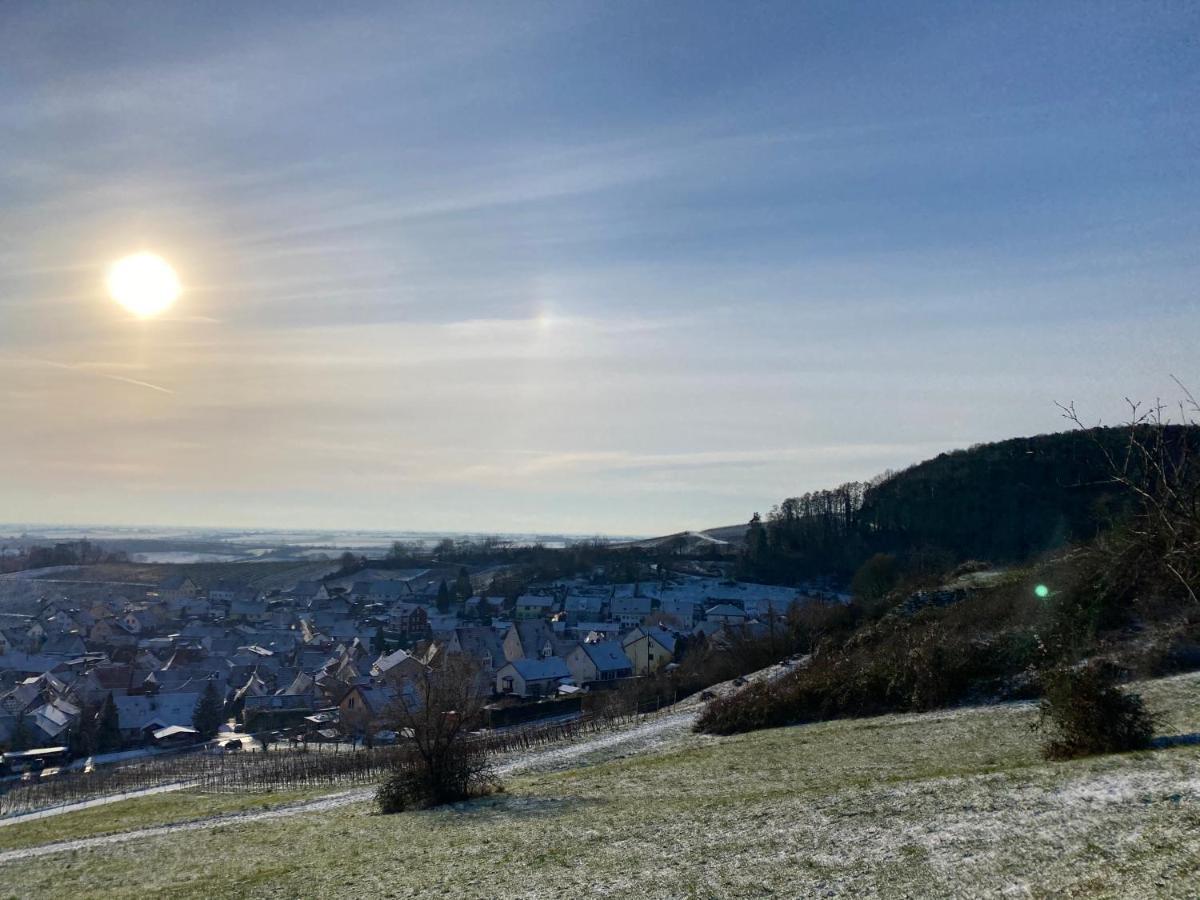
<point x="144" y="284"/>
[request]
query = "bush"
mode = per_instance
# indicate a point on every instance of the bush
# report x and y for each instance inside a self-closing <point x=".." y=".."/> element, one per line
<point x="462" y="773"/>
<point x="1084" y="713"/>
<point x="875" y="578"/>
<point x="445" y="764"/>
<point x="978" y="649"/>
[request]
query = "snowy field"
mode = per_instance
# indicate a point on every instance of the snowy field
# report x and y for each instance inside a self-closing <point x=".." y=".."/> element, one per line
<point x="955" y="803"/>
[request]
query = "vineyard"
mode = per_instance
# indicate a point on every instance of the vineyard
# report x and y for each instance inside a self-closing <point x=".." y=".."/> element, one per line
<point x="281" y="768"/>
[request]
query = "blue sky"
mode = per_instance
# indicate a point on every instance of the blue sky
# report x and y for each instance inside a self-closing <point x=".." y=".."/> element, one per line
<point x="596" y="267"/>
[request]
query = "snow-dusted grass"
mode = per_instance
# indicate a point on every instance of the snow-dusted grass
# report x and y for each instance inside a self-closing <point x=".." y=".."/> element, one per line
<point x="955" y="803"/>
<point x="137" y="812"/>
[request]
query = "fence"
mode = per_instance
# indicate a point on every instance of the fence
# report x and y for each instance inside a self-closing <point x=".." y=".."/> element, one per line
<point x="280" y="768"/>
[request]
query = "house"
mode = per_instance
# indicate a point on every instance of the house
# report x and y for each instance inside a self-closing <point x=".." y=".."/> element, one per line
<point x="58" y="623"/>
<point x="685" y="610"/>
<point x="649" y="649"/>
<point x="137" y="622"/>
<point x="65" y="645"/>
<point x="54" y="719"/>
<point x="363" y="707"/>
<point x="109" y="633"/>
<point x="17" y="640"/>
<point x="579" y="607"/>
<point x="136" y="714"/>
<point x="533" y="606"/>
<point x="533" y="639"/>
<point x="198" y="607"/>
<point x="532" y="677"/>
<point x="629" y="610"/>
<point x="409" y="619"/>
<point x="254" y="687"/>
<point x="248" y="610"/>
<point x="176" y="588"/>
<point x="174" y="736"/>
<point x="310" y="592"/>
<point x="600" y="662"/>
<point x="277" y="710"/>
<point x="110" y="606"/>
<point x="225" y="591"/>
<point x="728" y="636"/>
<point x="594" y="632"/>
<point x="35" y="636"/>
<point x="105" y="679"/>
<point x="479" y="643"/>
<point x="397" y="667"/>
<point x="725" y="614"/>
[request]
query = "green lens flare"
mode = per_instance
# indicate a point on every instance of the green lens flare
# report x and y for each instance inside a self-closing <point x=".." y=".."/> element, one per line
<point x="1042" y="591"/>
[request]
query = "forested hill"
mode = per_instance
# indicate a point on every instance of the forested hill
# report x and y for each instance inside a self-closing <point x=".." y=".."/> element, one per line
<point x="1001" y="502"/>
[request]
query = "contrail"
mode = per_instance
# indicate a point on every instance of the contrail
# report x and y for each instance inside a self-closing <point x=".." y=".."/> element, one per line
<point x="84" y="371"/>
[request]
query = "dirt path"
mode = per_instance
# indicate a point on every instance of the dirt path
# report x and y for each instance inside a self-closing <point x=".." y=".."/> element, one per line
<point x="640" y="737"/>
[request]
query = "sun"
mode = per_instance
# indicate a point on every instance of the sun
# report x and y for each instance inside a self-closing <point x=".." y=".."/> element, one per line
<point x="143" y="283"/>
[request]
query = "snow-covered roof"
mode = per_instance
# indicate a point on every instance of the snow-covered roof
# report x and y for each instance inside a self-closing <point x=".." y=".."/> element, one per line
<point x="607" y="656"/>
<point x="541" y="669"/>
<point x="137" y="712"/>
<point x="173" y="730"/>
<point x="390" y="661"/>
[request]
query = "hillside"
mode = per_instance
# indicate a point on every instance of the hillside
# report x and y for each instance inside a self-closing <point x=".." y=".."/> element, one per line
<point x="951" y="803"/>
<point x="1004" y="502"/>
<point x="693" y="543"/>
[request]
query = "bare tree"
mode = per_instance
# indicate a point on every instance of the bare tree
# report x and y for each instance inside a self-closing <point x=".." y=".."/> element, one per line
<point x="435" y="717"/>
<point x="1156" y="462"/>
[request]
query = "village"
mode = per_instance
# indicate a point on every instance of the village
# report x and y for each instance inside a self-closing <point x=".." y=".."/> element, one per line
<point x="324" y="660"/>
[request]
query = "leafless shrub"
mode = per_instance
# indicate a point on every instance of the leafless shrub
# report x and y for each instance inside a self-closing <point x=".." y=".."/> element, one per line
<point x="1158" y="464"/>
<point x="435" y="720"/>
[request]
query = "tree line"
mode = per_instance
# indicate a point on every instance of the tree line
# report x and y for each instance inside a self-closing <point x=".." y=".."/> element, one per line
<point x="1002" y="502"/>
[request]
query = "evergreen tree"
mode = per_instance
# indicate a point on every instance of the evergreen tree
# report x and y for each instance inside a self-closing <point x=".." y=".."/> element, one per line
<point x="22" y="735"/>
<point x="756" y="539"/>
<point x="379" y="643"/>
<point x="462" y="585"/>
<point x="210" y="711"/>
<point x="443" y="597"/>
<point x="108" y="727"/>
<point x="82" y="741"/>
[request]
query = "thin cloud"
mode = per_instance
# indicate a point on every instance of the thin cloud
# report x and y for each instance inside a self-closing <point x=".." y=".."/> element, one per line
<point x="87" y="370"/>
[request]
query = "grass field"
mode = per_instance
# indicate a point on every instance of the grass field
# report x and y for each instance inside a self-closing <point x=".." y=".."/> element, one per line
<point x="140" y="812"/>
<point x="946" y="804"/>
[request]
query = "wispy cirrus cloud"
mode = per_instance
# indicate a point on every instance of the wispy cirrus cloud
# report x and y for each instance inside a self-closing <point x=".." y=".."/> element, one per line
<point x="88" y="370"/>
<point x="625" y="267"/>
